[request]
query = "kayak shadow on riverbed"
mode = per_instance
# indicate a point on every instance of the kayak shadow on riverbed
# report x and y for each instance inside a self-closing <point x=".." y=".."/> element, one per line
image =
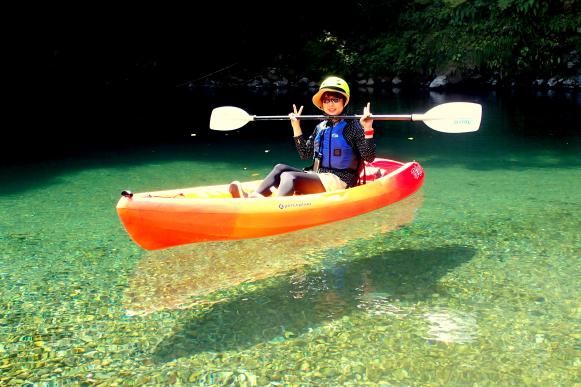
<point x="288" y="306"/>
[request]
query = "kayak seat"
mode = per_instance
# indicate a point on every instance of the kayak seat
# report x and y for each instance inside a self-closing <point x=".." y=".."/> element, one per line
<point x="372" y="173"/>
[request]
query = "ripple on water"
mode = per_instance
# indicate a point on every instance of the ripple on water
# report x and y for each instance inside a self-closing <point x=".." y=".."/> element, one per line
<point x="451" y="326"/>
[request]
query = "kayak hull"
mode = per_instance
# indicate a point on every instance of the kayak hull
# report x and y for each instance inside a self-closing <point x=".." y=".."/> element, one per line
<point x="162" y="219"/>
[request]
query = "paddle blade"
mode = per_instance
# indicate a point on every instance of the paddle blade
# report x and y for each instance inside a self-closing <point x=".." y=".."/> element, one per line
<point x="229" y="118"/>
<point x="453" y="117"/>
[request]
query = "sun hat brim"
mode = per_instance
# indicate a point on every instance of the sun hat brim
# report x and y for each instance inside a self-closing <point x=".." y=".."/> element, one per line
<point x="317" y="97"/>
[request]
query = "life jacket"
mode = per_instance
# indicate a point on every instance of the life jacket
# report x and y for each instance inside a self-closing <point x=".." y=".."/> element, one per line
<point x="331" y="146"/>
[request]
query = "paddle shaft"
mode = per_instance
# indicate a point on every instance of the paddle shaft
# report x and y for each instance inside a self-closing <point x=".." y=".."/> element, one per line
<point x="380" y="117"/>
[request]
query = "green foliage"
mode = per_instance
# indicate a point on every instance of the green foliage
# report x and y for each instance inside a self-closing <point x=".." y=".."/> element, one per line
<point x="507" y="37"/>
<point x="328" y="54"/>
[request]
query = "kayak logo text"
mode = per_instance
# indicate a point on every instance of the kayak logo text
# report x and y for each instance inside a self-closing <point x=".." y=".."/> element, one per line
<point x="417" y="172"/>
<point x="284" y="206"/>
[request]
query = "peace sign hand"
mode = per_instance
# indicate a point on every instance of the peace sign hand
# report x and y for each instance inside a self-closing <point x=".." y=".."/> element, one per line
<point x="295" y="123"/>
<point x="293" y="116"/>
<point x="365" y="119"/>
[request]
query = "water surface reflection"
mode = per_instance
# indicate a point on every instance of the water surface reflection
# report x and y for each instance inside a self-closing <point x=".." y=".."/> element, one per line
<point x="180" y="277"/>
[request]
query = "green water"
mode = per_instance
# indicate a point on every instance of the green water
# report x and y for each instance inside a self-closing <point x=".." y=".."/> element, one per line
<point x="472" y="281"/>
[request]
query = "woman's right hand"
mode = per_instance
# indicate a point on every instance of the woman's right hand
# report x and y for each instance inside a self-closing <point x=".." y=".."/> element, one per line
<point x="295" y="122"/>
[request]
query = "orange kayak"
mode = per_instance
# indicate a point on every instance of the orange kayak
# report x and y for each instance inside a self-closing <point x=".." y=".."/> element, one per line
<point x="162" y="219"/>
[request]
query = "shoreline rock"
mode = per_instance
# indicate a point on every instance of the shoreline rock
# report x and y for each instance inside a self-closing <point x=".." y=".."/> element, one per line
<point x="280" y="79"/>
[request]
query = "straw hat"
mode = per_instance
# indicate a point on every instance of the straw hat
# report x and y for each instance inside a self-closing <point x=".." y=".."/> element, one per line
<point x="335" y="85"/>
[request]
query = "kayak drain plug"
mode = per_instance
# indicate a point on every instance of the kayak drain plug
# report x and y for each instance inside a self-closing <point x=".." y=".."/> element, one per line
<point x="127" y="194"/>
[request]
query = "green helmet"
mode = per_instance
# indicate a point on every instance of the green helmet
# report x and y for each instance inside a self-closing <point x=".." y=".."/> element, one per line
<point x="335" y="85"/>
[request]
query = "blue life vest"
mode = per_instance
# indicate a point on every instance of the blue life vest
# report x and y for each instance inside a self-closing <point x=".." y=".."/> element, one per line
<point x="330" y="144"/>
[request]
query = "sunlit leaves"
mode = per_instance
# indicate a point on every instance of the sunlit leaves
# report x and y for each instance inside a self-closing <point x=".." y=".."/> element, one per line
<point x="395" y="37"/>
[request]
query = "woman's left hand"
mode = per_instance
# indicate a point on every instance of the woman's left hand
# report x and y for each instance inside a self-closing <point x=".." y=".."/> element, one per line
<point x="365" y="120"/>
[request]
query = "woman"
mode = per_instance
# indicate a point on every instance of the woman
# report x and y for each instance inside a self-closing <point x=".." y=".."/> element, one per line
<point x="337" y="147"/>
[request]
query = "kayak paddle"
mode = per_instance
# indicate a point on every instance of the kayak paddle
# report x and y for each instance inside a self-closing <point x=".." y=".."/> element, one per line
<point x="452" y="117"/>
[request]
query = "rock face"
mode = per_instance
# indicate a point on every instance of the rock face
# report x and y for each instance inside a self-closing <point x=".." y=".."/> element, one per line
<point x="280" y="79"/>
<point x="439" y="82"/>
